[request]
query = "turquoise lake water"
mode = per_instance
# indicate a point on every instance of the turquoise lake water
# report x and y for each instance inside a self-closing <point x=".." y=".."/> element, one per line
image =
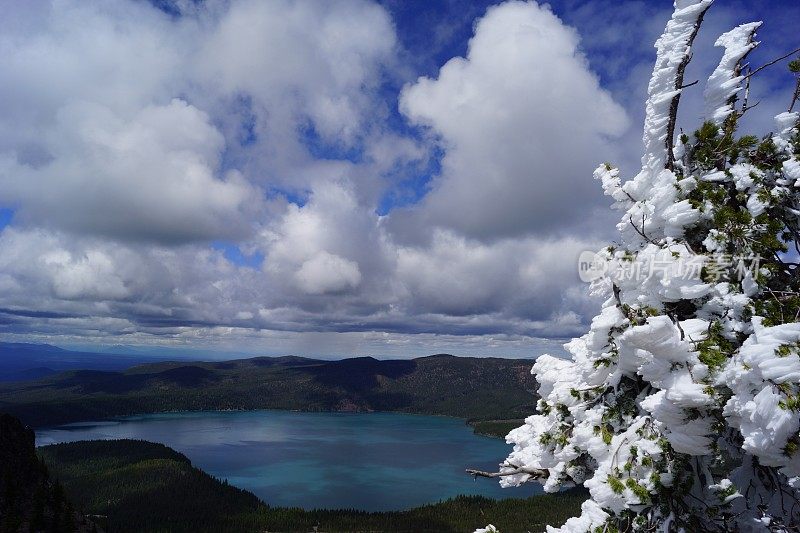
<point x="369" y="461"/>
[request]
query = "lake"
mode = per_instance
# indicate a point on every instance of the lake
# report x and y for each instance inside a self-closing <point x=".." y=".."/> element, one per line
<point x="369" y="461"/>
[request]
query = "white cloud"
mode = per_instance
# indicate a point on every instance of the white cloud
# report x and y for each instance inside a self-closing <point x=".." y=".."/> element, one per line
<point x="310" y="67"/>
<point x="153" y="176"/>
<point x="455" y="276"/>
<point x="313" y="58"/>
<point x="89" y="277"/>
<point x="522" y="120"/>
<point x="519" y="279"/>
<point x="129" y="139"/>
<point x="119" y="120"/>
<point x="332" y="244"/>
<point x="327" y="273"/>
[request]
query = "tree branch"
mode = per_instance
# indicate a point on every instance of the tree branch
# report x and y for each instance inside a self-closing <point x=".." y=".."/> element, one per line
<point x="641" y="231"/>
<point x="673" y="106"/>
<point x="535" y="473"/>
<point x="795" y="96"/>
<point x="765" y="65"/>
<point x="730" y="126"/>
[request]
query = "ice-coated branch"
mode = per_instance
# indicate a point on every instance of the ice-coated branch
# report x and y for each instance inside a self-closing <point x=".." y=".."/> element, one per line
<point x="726" y="81"/>
<point x="674" y="50"/>
<point x="673" y="53"/>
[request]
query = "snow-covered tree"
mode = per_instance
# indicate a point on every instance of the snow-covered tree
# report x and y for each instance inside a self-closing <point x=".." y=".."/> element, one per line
<point x="680" y="408"/>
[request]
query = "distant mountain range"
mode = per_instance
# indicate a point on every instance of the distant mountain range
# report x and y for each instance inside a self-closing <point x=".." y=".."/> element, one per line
<point x="466" y="387"/>
<point x="21" y="361"/>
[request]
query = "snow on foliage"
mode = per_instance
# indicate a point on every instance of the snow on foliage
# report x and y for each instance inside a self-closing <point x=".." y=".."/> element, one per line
<point x="679" y="408"/>
<point x="673" y="51"/>
<point x="726" y="80"/>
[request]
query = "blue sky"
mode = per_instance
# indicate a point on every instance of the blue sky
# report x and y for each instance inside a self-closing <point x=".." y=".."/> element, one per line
<point x="326" y="178"/>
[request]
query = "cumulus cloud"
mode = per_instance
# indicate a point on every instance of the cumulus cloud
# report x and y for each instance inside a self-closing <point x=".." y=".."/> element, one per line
<point x="522" y="120"/>
<point x="153" y="176"/>
<point x="297" y="81"/>
<point x="91" y="276"/>
<point x="120" y="120"/>
<point x="523" y="281"/>
<point x="313" y="59"/>
<point x="138" y="148"/>
<point x="331" y="245"/>
<point x="327" y="273"/>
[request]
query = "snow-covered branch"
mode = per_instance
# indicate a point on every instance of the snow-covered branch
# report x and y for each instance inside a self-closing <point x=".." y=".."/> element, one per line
<point x="674" y="51"/>
<point x="726" y="81"/>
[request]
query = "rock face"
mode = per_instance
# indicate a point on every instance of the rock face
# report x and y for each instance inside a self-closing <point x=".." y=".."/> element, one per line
<point x="29" y="499"/>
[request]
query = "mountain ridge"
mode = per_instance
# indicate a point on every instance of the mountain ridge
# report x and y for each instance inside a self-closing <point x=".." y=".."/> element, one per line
<point x="471" y="388"/>
<point x="21" y="361"/>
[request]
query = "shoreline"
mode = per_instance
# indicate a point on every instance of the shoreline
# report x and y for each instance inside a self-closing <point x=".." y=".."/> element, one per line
<point x="474" y="424"/>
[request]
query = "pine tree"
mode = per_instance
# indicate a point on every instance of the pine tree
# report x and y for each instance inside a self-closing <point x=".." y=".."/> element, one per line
<point x="679" y="409"/>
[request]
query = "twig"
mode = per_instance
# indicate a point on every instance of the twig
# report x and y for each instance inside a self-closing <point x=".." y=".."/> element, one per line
<point x="765" y="65"/>
<point x="641" y="231"/>
<point x="535" y="473"/>
<point x="746" y="96"/>
<point x="737" y="71"/>
<point x="795" y="96"/>
<point x="748" y="108"/>
<point x="677" y="323"/>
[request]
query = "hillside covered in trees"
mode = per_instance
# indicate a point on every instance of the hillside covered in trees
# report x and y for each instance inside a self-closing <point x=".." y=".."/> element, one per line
<point x="473" y="388"/>
<point x="142" y="486"/>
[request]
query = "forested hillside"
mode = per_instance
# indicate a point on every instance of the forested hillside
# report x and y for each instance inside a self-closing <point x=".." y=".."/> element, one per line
<point x="142" y="486"/>
<point x="474" y="388"/>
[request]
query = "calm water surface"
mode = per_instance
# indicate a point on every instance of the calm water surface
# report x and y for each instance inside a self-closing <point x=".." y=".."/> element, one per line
<point x="373" y="461"/>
